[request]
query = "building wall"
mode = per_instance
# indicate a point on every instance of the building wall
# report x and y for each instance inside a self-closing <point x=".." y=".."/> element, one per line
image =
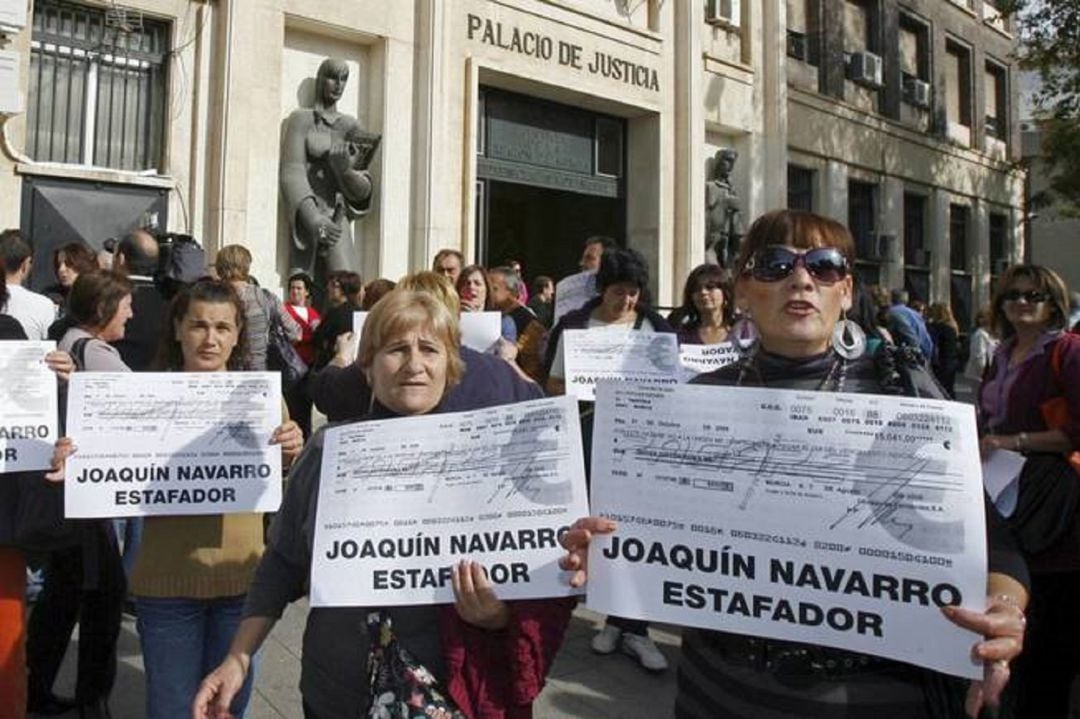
<point x="415" y="72"/>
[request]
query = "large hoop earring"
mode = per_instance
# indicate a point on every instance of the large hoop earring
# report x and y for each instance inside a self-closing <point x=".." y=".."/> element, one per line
<point x="744" y="335"/>
<point x="848" y="339"/>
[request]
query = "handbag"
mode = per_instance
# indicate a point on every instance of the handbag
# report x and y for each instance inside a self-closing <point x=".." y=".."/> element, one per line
<point x="1055" y="412"/>
<point x="400" y="686"/>
<point x="281" y="356"/>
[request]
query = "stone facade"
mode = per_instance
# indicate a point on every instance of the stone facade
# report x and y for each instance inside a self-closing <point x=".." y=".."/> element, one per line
<point x="684" y="85"/>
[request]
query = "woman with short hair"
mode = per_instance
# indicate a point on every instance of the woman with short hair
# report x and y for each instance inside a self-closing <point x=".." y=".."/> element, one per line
<point x="795" y="282"/>
<point x="491" y="656"/>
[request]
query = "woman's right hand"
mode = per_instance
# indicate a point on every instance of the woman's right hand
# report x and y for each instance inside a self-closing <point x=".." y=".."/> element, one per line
<point x="576" y="543"/>
<point x="64" y="448"/>
<point x="219" y="687"/>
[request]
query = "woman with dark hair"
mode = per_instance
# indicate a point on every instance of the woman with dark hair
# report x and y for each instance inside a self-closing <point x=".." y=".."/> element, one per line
<point x="794" y="283"/>
<point x="1035" y="370"/>
<point x="623" y="284"/>
<point x="474" y="290"/>
<point x="192" y="572"/>
<point x="69" y="261"/>
<point x="85" y="583"/>
<point x="706" y="311"/>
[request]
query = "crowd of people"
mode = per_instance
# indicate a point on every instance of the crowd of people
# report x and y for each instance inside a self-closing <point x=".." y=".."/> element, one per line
<point x="207" y="590"/>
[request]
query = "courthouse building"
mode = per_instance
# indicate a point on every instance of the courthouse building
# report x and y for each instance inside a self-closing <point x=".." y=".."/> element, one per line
<point x="517" y="128"/>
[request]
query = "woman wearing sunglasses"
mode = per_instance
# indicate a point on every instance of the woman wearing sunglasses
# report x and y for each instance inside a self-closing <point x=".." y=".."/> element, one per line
<point x="1035" y="369"/>
<point x="794" y="286"/>
<point x="704" y="316"/>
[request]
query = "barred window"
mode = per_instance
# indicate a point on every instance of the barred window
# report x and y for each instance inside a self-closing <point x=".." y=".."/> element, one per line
<point x="97" y="86"/>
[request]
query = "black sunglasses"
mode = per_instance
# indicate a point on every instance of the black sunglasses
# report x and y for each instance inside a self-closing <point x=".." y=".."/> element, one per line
<point x="1030" y="296"/>
<point x="774" y="263"/>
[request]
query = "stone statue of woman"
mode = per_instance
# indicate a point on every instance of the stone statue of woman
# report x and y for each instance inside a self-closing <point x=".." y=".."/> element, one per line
<point x="722" y="211"/>
<point x="324" y="178"/>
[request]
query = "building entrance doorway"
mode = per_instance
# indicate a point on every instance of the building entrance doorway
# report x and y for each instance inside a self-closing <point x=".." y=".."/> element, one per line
<point x="548" y="177"/>
<point x="545" y="229"/>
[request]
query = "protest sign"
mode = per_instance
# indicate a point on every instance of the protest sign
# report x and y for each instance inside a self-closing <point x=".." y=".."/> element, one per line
<point x="834" y="519"/>
<point x="620" y="354"/>
<point x="479" y="330"/>
<point x="574" y="291"/>
<point x="698" y="359"/>
<point x="172" y="443"/>
<point x="28" y="396"/>
<point x="402" y="500"/>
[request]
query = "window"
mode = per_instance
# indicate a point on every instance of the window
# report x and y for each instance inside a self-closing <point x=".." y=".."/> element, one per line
<point x="800" y="188"/>
<point x="915" y="250"/>
<point x="996" y="111"/>
<point x="862" y="218"/>
<point x="915" y="61"/>
<point x="857" y="27"/>
<point x="957" y="84"/>
<point x="97" y="86"/>
<point x="999" y="236"/>
<point x="958" y="237"/>
<point x="802" y="30"/>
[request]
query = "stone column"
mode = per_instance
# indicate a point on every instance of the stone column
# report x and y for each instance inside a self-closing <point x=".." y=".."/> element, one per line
<point x="891" y="223"/>
<point x="774" y="101"/>
<point x="833" y="191"/>
<point x="938" y="230"/>
<point x="978" y="253"/>
<point x="689" y="216"/>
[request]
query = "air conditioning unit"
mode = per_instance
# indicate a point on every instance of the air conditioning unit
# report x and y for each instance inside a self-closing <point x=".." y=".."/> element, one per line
<point x="798" y="46"/>
<point x="723" y="12"/>
<point x="916" y="91"/>
<point x="865" y="68"/>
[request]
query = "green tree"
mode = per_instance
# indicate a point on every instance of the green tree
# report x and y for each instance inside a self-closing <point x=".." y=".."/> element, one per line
<point x="1050" y="45"/>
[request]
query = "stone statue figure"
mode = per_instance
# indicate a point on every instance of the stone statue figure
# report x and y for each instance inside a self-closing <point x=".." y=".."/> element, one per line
<point x="723" y="226"/>
<point x="324" y="178"/>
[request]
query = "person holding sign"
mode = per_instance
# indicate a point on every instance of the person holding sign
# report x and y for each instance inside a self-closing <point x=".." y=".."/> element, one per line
<point x="705" y="314"/>
<point x="794" y="283"/>
<point x="491" y="656"/>
<point x="623" y="283"/>
<point x="1030" y="403"/>
<point x="474" y="289"/>
<point x="192" y="572"/>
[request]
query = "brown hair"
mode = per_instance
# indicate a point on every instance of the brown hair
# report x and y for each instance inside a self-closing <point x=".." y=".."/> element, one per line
<point x="95" y="298"/>
<point x="170" y="355"/>
<point x="436" y="285"/>
<point x="688" y="312"/>
<point x="75" y="255"/>
<point x="463" y="279"/>
<point x="1045" y="280"/>
<point x="941" y="313"/>
<point x="233" y="262"/>
<point x="796" y="228"/>
<point x="374" y="291"/>
<point x="402" y="310"/>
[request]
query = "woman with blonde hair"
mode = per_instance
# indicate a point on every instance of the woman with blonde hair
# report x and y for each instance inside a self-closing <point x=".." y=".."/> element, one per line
<point x="941" y="324"/>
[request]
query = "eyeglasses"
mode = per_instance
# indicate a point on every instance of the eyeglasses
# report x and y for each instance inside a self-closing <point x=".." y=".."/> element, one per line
<point x="1033" y="297"/>
<point x="774" y="263"/>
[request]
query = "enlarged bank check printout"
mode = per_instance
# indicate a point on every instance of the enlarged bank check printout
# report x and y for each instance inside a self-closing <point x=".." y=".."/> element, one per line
<point x="173" y="443"/>
<point x="835" y="519"/>
<point x="29" y="399"/>
<point x="402" y="500"/>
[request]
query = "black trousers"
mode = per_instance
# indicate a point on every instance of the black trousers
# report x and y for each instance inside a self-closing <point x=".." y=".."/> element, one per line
<point x="1044" y="672"/>
<point x="83" y="584"/>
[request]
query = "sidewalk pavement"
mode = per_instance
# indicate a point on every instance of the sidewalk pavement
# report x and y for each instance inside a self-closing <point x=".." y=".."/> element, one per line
<point x="581" y="684"/>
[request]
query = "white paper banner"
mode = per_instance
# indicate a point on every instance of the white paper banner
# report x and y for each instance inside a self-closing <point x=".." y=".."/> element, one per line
<point x="479" y="330"/>
<point x="173" y="443"/>
<point x="627" y="355"/>
<point x="28" y="397"/>
<point x="402" y="500"/>
<point x="574" y="291"/>
<point x="698" y="359"/>
<point x="835" y="519"/>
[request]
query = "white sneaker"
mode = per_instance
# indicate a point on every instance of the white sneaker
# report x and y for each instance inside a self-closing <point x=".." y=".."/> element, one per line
<point x="644" y="650"/>
<point x="606" y="640"/>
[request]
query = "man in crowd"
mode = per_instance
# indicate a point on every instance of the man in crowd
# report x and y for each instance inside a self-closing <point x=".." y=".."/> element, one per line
<point x="543" y="300"/>
<point x="137" y="254"/>
<point x="505" y="288"/>
<point x="594" y="248"/>
<point x="33" y="311"/>
<point x="907" y="326"/>
<point x="448" y="263"/>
